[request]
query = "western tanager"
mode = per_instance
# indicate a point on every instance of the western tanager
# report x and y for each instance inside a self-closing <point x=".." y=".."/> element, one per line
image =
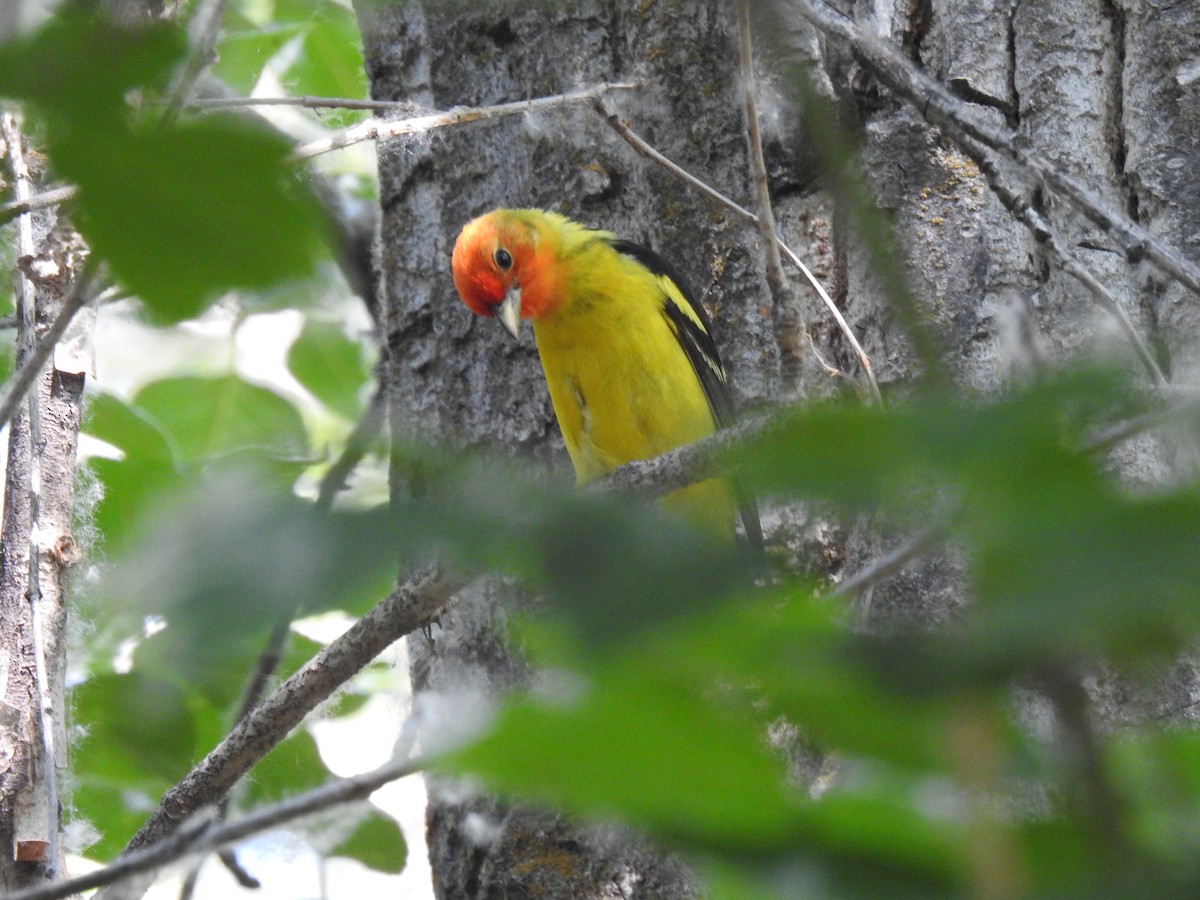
<point x="627" y="351"/>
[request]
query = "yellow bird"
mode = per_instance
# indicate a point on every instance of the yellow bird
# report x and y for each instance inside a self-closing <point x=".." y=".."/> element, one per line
<point x="627" y="351"/>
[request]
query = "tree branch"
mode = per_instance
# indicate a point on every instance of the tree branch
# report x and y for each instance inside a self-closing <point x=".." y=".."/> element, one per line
<point x="203" y="837"/>
<point x="203" y="31"/>
<point x="306" y="102"/>
<point x="411" y="606"/>
<point x="380" y="130"/>
<point x="44" y="200"/>
<point x="18" y="385"/>
<point x="1020" y="210"/>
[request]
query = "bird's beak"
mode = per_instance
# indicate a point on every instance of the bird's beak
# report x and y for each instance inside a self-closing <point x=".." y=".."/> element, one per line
<point x="509" y="312"/>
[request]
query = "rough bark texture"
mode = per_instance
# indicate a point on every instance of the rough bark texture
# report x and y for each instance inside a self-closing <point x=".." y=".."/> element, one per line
<point x="458" y="378"/>
<point x="26" y="821"/>
<point x="1107" y="88"/>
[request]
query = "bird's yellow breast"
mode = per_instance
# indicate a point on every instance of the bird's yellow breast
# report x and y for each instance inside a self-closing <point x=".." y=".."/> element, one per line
<point x="622" y="386"/>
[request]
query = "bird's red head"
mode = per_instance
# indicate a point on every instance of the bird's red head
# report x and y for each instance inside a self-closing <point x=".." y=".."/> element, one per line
<point x="502" y="252"/>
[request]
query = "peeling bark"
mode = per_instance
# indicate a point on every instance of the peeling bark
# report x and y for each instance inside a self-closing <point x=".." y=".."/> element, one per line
<point x="30" y="816"/>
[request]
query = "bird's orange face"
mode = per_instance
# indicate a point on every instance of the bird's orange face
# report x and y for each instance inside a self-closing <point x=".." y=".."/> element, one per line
<point x="502" y="269"/>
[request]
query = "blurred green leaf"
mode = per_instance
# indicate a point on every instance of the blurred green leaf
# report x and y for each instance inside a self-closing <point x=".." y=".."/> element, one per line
<point x="611" y="565"/>
<point x="134" y="484"/>
<point x="141" y="734"/>
<point x="116" y="809"/>
<point x="246" y="47"/>
<point x="332" y="63"/>
<point x="138" y="728"/>
<point x="655" y="757"/>
<point x="187" y="212"/>
<point x="132" y="487"/>
<point x="78" y="68"/>
<point x="207" y="418"/>
<point x="327" y="63"/>
<point x="225" y="559"/>
<point x="127" y="428"/>
<point x="181" y="213"/>
<point x="377" y="843"/>
<point x="330" y="366"/>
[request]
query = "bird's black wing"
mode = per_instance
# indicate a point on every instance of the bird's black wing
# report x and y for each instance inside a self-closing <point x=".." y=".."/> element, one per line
<point x="694" y="333"/>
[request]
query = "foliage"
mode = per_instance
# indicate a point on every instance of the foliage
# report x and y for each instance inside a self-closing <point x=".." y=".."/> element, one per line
<point x="694" y="673"/>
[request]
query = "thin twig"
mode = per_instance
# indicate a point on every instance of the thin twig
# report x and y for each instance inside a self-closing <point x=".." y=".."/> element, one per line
<point x="1021" y="210"/>
<point x="786" y="318"/>
<point x="646" y="150"/>
<point x="1103" y="805"/>
<point x="18" y="385"/>
<point x="305" y="102"/>
<point x="382" y="130"/>
<point x="365" y="431"/>
<point x="206" y="837"/>
<point x="44" y="200"/>
<point x="1139" y="425"/>
<point x="203" y="31"/>
<point x="890" y="563"/>
<point x="940" y="107"/>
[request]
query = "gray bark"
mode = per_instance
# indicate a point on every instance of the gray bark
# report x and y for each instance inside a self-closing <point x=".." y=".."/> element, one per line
<point x="29" y="814"/>
<point x="1104" y="87"/>
<point x="457" y="378"/>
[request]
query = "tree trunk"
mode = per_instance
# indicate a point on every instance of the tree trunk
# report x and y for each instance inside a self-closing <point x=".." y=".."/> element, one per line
<point x="1103" y="87"/>
<point x="38" y="508"/>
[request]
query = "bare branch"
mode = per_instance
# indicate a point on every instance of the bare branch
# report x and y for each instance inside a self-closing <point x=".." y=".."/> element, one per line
<point x="683" y="466"/>
<point x="1020" y="210"/>
<point x="203" y="31"/>
<point x="45" y="199"/>
<point x="21" y="380"/>
<point x="203" y="837"/>
<point x="365" y="431"/>
<point x="381" y="130"/>
<point x="653" y="155"/>
<point x="305" y="102"/>
<point x="884" y="567"/>
<point x="411" y="606"/>
<point x="933" y="101"/>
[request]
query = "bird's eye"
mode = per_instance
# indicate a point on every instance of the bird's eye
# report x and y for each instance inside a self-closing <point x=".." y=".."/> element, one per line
<point x="503" y="258"/>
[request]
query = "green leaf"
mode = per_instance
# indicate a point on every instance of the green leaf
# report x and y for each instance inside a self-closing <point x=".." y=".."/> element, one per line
<point x="377" y="843"/>
<point x="139" y="738"/>
<point x="138" y="729"/>
<point x="609" y="564"/>
<point x="207" y="418"/>
<point x="329" y="62"/>
<point x="222" y="561"/>
<point x="331" y="366"/>
<point x="185" y="213"/>
<point x="132" y="485"/>
<point x="653" y="756"/>
<point x="245" y="48"/>
<point x="137" y="435"/>
<point x="78" y="68"/>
